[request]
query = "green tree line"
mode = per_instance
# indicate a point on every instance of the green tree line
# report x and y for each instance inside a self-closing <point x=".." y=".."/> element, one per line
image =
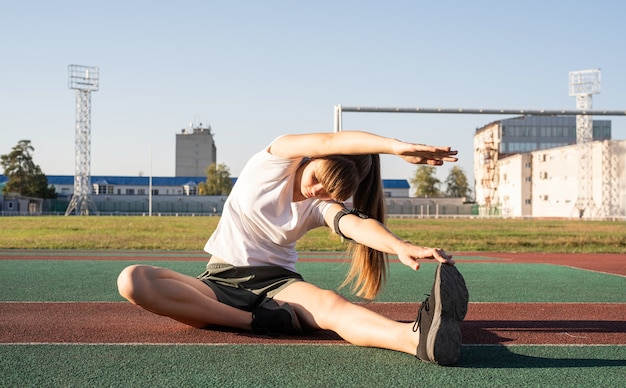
<point x="427" y="184"/>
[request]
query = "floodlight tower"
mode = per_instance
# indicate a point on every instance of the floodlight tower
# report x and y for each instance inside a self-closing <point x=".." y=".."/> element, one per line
<point x="84" y="79"/>
<point x="583" y="84"/>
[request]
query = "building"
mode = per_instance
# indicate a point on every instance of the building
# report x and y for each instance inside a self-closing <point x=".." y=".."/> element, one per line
<point x="530" y="133"/>
<point x="129" y="195"/>
<point x="12" y="204"/>
<point x="515" y="174"/>
<point x="529" y="167"/>
<point x="18" y="205"/>
<point x="396" y="188"/>
<point x="555" y="181"/>
<point x="130" y="185"/>
<point x="187" y="186"/>
<point x="195" y="151"/>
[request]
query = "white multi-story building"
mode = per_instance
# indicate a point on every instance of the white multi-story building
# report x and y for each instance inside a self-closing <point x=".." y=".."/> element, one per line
<point x="539" y="177"/>
<point x="515" y="185"/>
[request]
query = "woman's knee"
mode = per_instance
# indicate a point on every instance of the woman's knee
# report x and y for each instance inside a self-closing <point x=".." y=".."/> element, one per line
<point x="133" y="281"/>
<point x="330" y="305"/>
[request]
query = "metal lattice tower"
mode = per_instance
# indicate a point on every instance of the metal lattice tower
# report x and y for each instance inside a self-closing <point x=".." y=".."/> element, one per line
<point x="84" y="79"/>
<point x="583" y="84"/>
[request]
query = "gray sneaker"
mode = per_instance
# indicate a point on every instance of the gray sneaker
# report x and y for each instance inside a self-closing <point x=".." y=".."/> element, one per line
<point x="273" y="319"/>
<point x="440" y="316"/>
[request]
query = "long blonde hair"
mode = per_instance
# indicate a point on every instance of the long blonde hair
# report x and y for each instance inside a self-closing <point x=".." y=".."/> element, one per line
<point x="359" y="176"/>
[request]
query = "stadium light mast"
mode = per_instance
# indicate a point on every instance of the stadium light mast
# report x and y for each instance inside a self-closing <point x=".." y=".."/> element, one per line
<point x="582" y="85"/>
<point x="84" y="79"/>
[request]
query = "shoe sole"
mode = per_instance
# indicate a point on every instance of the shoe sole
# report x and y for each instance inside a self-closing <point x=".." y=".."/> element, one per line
<point x="444" y="339"/>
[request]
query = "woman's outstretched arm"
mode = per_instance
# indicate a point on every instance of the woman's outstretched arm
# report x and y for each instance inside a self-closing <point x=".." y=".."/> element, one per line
<point x="357" y="142"/>
<point x="375" y="235"/>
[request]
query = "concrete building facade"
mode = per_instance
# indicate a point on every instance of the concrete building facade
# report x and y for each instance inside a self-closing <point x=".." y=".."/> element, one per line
<point x="545" y="183"/>
<point x="195" y="151"/>
<point x="502" y="139"/>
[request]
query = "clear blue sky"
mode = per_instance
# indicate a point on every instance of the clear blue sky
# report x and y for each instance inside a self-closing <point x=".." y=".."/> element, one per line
<point x="256" y="69"/>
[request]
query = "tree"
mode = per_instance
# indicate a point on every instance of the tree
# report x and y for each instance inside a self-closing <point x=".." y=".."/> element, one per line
<point x="425" y="182"/>
<point x="24" y="176"/>
<point x="456" y="183"/>
<point x="217" y="181"/>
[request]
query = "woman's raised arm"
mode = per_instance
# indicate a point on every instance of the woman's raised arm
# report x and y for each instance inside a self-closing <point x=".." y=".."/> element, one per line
<point x="355" y="143"/>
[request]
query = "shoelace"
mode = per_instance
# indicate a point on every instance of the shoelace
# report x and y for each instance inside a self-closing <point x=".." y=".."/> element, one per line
<point x="419" y="313"/>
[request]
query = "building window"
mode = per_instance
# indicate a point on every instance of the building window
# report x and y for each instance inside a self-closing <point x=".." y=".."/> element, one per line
<point x="190" y="190"/>
<point x="130" y="191"/>
<point x="103" y="189"/>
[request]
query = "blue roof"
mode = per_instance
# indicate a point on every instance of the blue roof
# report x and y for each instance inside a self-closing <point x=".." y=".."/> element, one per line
<point x="396" y="184"/>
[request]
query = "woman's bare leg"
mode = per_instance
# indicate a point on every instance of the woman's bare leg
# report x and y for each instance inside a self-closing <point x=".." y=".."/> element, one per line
<point x="181" y="297"/>
<point x="319" y="308"/>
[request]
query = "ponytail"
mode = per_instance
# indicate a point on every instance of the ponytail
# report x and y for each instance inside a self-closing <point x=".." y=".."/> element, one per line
<point x="368" y="271"/>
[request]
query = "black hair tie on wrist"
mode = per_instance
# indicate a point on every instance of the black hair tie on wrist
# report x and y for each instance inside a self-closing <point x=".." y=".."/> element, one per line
<point x="344" y="212"/>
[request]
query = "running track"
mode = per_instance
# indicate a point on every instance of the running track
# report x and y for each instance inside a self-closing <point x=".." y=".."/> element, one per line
<point x="486" y="323"/>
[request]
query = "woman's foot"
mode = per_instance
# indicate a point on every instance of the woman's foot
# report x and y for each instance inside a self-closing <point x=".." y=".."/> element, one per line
<point x="273" y="319"/>
<point x="440" y="316"/>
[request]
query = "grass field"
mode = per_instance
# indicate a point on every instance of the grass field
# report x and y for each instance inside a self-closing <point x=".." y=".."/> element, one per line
<point x="191" y="233"/>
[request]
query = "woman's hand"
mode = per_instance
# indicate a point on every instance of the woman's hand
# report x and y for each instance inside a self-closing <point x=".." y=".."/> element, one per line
<point x="409" y="254"/>
<point x="424" y="154"/>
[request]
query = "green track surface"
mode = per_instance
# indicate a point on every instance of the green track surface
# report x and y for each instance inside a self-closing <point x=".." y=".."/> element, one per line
<point x="81" y="280"/>
<point x="304" y="366"/>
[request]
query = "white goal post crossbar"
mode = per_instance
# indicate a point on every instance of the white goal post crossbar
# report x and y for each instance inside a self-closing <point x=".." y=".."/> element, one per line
<point x="339" y="109"/>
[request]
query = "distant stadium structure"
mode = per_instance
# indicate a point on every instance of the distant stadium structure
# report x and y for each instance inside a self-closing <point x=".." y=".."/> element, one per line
<point x="195" y="150"/>
<point x="126" y="195"/>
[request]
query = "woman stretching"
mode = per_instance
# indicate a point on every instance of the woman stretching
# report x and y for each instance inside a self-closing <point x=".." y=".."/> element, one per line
<point x="298" y="183"/>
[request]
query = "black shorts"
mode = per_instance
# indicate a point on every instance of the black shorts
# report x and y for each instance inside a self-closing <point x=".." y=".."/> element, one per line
<point x="247" y="287"/>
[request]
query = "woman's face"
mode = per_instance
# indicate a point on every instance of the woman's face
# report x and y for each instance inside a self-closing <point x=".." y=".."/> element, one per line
<point x="310" y="186"/>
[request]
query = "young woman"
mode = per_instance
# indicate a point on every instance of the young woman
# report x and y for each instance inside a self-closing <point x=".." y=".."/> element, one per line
<point x="297" y="183"/>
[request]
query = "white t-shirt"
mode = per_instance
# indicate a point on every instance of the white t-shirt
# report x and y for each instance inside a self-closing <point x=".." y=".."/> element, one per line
<point x="260" y="224"/>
